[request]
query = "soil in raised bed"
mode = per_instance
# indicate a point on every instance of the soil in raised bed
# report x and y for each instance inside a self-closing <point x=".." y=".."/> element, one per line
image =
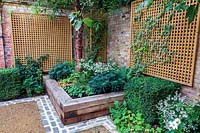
<point x="99" y="129"/>
<point x="21" y="118"/>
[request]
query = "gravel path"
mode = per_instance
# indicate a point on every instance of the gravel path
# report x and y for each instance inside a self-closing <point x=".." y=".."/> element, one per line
<point x="50" y="119"/>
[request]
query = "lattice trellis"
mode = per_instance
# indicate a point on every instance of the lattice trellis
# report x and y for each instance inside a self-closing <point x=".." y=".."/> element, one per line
<point x="183" y="41"/>
<point x="38" y="35"/>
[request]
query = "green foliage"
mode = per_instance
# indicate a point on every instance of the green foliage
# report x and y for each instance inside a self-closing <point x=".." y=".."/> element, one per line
<point x="95" y="68"/>
<point x="192" y="12"/>
<point x="108" y="82"/>
<point x="61" y="70"/>
<point x="82" y="17"/>
<point x="78" y="17"/>
<point x="55" y="6"/>
<point x="31" y="74"/>
<point x="143" y="93"/>
<point x="10" y="84"/>
<point x="77" y="22"/>
<point x="78" y="90"/>
<point x="70" y="80"/>
<point x="180" y="5"/>
<point x="80" y="87"/>
<point x="144" y="45"/>
<point x="94" y="35"/>
<point x="86" y="84"/>
<point x="177" y="114"/>
<point x="128" y="122"/>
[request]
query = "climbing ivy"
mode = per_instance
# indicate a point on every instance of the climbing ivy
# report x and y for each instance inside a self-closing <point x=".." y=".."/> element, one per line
<point x="144" y="43"/>
<point x="180" y="5"/>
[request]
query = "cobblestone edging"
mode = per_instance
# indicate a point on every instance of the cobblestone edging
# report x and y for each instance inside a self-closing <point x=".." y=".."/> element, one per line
<point x="52" y="123"/>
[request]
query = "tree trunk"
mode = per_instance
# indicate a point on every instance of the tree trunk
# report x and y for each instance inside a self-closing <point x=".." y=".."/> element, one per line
<point x="78" y="40"/>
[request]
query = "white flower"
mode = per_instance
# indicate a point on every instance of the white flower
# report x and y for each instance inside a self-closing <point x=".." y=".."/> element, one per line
<point x="178" y="121"/>
<point x="173" y="125"/>
<point x="96" y="68"/>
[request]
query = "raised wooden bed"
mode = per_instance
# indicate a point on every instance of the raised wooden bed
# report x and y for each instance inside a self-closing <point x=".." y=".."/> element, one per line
<point x="80" y="109"/>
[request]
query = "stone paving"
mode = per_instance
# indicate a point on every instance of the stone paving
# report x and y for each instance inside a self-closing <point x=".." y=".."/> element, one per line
<point x="52" y="123"/>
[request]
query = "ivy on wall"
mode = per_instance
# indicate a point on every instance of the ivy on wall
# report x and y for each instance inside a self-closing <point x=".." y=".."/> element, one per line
<point x="144" y="44"/>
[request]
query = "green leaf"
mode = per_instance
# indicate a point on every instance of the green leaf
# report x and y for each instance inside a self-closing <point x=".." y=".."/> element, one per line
<point x="191" y="13"/>
<point x="71" y="17"/>
<point x="181" y="7"/>
<point x="146" y="3"/>
<point x="87" y="22"/>
<point x="139" y="7"/>
<point x="149" y="3"/>
<point x="78" y="25"/>
<point x="169" y="6"/>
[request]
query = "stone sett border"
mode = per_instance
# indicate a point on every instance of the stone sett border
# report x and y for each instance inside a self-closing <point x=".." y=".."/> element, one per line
<point x="51" y="121"/>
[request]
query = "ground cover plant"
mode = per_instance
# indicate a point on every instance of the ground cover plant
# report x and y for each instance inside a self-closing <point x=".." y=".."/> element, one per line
<point x="128" y="122"/>
<point x="79" y="87"/>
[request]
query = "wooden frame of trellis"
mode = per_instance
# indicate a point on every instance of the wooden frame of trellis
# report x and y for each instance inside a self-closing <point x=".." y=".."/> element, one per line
<point x="36" y="35"/>
<point x="183" y="40"/>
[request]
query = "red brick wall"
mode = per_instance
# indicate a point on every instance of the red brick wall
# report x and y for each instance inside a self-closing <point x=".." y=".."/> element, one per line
<point x="2" y="61"/>
<point x="119" y="36"/>
<point x="7" y="35"/>
<point x="195" y="91"/>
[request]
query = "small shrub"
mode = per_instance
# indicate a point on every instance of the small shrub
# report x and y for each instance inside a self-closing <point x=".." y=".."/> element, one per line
<point x="107" y="82"/>
<point x="96" y="68"/>
<point x="179" y="115"/>
<point x="128" y="122"/>
<point x="31" y="75"/>
<point x="61" y="70"/>
<point x="143" y="93"/>
<point x="10" y="84"/>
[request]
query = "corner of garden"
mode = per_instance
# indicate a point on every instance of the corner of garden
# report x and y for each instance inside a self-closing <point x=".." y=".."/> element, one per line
<point x="126" y="66"/>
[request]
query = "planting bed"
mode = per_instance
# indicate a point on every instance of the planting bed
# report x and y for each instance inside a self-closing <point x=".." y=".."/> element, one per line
<point x="80" y="109"/>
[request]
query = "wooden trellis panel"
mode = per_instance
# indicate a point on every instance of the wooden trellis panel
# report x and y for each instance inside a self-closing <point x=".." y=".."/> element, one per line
<point x="38" y="35"/>
<point x="183" y="41"/>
